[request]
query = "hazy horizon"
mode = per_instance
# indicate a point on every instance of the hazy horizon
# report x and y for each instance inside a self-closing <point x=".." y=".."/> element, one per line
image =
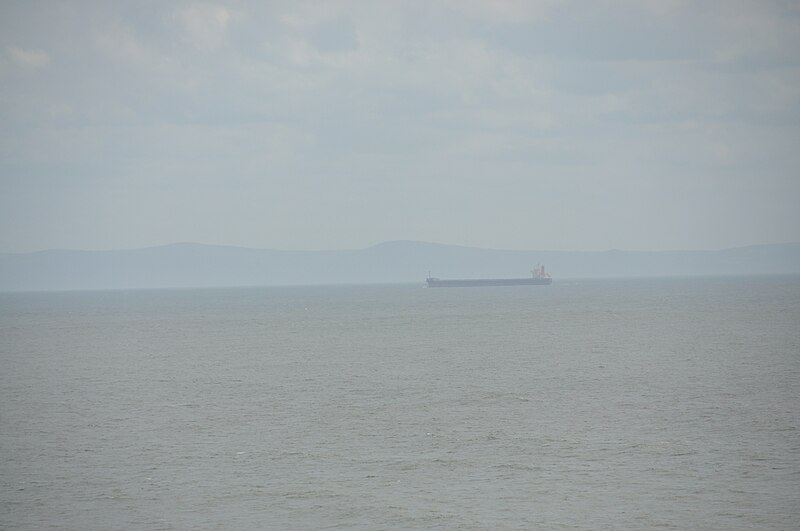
<point x="197" y="265"/>
<point x="306" y="125"/>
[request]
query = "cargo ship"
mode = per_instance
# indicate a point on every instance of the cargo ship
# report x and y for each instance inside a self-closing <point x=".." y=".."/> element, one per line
<point x="538" y="278"/>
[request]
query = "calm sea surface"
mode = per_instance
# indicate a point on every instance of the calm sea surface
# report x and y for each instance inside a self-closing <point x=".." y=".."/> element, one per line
<point x="611" y="404"/>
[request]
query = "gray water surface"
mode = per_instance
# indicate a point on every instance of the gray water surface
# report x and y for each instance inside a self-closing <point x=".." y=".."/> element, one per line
<point x="582" y="405"/>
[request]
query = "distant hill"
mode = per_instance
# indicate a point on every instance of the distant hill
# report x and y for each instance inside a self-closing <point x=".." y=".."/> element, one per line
<point x="198" y="265"/>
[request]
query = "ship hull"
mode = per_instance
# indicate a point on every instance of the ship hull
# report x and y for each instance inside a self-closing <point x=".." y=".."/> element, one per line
<point x="479" y="282"/>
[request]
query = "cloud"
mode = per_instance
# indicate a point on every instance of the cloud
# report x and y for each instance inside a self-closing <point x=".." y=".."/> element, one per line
<point x="204" y="25"/>
<point x="504" y="11"/>
<point x="28" y="58"/>
<point x="120" y="44"/>
<point x="382" y="102"/>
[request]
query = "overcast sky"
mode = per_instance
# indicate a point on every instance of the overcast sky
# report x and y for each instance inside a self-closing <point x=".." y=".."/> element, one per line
<point x="645" y="125"/>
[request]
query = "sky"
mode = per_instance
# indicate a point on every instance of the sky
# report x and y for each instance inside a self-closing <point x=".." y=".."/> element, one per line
<point x="550" y="125"/>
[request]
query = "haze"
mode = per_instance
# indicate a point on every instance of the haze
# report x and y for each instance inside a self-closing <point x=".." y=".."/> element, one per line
<point x="646" y="125"/>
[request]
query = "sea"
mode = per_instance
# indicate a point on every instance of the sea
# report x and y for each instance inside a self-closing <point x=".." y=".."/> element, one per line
<point x="667" y="403"/>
